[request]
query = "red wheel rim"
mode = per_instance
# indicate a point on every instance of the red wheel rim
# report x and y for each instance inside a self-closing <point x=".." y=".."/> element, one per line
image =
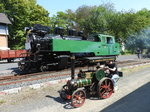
<point x="105" y="88"/>
<point x="78" y="98"/>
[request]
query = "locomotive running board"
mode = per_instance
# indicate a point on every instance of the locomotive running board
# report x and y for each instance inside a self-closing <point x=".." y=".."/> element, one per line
<point x="99" y="59"/>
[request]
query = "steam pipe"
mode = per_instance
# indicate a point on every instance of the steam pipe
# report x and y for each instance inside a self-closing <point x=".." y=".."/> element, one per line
<point x="72" y="66"/>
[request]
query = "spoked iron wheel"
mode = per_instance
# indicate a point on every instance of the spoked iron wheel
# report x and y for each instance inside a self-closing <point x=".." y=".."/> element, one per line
<point x="105" y="88"/>
<point x="78" y="98"/>
<point x="43" y="68"/>
<point x="64" y="93"/>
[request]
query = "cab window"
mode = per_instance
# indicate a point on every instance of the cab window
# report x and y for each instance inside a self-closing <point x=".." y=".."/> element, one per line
<point x="110" y="40"/>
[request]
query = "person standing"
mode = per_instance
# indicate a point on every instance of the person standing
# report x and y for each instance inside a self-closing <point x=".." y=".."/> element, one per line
<point x="138" y="52"/>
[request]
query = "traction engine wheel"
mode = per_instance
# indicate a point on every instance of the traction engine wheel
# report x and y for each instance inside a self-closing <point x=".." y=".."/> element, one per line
<point x="78" y="98"/>
<point x="105" y="88"/>
<point x="64" y="93"/>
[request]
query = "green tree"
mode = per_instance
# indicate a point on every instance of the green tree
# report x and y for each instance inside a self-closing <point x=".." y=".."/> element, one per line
<point x="63" y="19"/>
<point x="98" y="19"/>
<point x="141" y="36"/>
<point x="82" y="13"/>
<point x="23" y="13"/>
<point x="59" y="20"/>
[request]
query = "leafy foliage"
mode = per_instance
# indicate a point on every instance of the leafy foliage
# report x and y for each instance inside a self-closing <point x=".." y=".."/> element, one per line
<point x="127" y="26"/>
<point x="23" y="13"/>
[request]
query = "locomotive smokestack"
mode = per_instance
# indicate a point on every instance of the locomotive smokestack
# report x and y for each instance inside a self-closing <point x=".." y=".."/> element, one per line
<point x="59" y="31"/>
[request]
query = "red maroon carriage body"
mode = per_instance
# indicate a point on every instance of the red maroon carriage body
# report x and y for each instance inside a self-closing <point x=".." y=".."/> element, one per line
<point x="11" y="54"/>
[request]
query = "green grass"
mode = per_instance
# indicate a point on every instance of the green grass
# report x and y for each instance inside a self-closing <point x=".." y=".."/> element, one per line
<point x="127" y="52"/>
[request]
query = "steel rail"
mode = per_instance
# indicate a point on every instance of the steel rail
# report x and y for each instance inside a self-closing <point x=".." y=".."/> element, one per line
<point x="23" y="78"/>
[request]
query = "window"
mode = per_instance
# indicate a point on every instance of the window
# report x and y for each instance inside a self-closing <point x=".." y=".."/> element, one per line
<point x="110" y="40"/>
<point x="4" y="30"/>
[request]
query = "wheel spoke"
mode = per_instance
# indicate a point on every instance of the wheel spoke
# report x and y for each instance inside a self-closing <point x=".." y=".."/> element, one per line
<point x="102" y="87"/>
<point x="105" y="82"/>
<point x="80" y="94"/>
<point x="109" y="83"/>
<point x="109" y="90"/>
<point x="103" y="92"/>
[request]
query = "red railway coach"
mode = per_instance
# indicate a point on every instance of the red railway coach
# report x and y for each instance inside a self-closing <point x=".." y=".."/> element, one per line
<point x="10" y="55"/>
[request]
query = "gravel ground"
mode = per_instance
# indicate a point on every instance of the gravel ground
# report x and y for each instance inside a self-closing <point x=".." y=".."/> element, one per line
<point x="27" y="83"/>
<point x="126" y="57"/>
<point x="47" y="99"/>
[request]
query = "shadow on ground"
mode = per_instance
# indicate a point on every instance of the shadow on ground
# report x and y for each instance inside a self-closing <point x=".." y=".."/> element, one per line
<point x="59" y="100"/>
<point x="137" y="101"/>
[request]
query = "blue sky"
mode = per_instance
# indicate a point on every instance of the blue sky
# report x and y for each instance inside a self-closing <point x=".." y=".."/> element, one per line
<point x="54" y="6"/>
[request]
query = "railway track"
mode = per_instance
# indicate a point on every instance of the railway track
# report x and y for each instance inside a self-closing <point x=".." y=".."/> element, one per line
<point x="8" y="80"/>
<point x="16" y="77"/>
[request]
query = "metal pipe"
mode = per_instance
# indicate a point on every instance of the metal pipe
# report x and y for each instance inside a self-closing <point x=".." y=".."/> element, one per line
<point x="72" y="66"/>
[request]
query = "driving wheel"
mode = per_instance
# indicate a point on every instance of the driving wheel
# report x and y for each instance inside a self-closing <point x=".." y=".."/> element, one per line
<point x="105" y="88"/>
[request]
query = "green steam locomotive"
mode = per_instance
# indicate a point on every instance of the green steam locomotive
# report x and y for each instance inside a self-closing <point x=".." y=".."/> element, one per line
<point x="46" y="51"/>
